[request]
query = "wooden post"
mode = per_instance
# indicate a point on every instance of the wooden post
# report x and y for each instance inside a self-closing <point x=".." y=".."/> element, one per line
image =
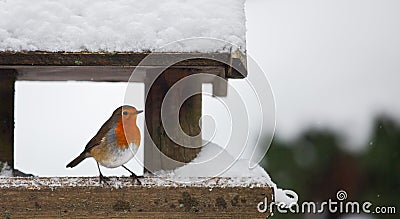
<point x="162" y="153"/>
<point x="7" y="86"/>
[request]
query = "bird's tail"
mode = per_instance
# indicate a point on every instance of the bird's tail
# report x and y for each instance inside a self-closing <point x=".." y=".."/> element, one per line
<point x="77" y="160"/>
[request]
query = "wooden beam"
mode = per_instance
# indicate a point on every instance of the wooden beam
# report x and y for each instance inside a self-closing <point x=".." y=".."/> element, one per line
<point x="111" y="59"/>
<point x="42" y="65"/>
<point x="161" y="151"/>
<point x="98" y="73"/>
<point x="156" y="198"/>
<point x="7" y="86"/>
<point x="78" y="73"/>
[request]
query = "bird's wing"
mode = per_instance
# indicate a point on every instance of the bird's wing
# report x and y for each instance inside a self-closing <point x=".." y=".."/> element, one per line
<point x="100" y="136"/>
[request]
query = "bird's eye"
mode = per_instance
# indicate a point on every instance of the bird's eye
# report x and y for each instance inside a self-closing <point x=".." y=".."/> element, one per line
<point x="125" y="113"/>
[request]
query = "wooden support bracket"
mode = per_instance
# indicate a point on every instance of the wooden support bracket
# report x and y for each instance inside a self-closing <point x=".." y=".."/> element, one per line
<point x="161" y="151"/>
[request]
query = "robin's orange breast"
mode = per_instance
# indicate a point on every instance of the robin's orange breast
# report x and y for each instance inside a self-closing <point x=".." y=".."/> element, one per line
<point x="127" y="132"/>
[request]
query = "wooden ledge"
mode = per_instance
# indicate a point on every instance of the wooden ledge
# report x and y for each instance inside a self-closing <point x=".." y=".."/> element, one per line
<point x="155" y="198"/>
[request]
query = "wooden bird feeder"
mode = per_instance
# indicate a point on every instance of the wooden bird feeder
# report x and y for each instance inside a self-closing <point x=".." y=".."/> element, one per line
<point x="118" y="67"/>
<point x="152" y="199"/>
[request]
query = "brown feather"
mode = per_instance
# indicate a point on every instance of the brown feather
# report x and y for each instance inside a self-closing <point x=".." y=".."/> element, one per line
<point x="109" y="124"/>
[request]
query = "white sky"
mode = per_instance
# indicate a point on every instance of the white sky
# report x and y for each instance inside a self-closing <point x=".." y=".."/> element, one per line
<point x="55" y="120"/>
<point x="330" y="63"/>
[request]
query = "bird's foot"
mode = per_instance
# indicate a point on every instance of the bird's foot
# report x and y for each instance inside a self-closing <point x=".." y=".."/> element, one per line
<point x="136" y="178"/>
<point x="104" y="179"/>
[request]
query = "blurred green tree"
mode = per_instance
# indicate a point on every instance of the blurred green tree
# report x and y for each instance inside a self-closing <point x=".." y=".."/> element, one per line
<point x="316" y="166"/>
<point x="382" y="162"/>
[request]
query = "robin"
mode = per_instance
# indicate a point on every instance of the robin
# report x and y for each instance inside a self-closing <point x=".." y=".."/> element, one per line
<point x="115" y="143"/>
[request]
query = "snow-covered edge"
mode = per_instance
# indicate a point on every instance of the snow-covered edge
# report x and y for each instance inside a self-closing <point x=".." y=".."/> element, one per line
<point x="121" y="182"/>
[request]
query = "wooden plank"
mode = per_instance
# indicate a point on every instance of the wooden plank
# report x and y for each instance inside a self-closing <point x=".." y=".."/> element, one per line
<point x="161" y="151"/>
<point x="110" y="59"/>
<point x="77" y="73"/>
<point x="7" y="86"/>
<point x="98" y="73"/>
<point x="85" y="198"/>
<point x="28" y="64"/>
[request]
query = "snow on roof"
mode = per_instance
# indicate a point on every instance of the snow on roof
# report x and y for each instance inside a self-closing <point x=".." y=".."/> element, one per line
<point x="121" y="25"/>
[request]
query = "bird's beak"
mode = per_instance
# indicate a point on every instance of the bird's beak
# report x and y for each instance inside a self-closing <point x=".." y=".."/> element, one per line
<point x="138" y="111"/>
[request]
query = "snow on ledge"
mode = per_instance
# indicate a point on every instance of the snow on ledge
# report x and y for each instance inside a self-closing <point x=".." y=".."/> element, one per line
<point x="122" y="182"/>
<point x="5" y="170"/>
<point x="122" y="25"/>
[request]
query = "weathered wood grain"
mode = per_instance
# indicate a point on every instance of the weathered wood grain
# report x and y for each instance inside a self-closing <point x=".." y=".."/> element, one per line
<point x="7" y="86"/>
<point x="28" y="63"/>
<point x="90" y="200"/>
<point x="161" y="151"/>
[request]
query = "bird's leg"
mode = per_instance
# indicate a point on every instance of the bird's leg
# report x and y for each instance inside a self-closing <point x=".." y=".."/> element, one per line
<point x="101" y="177"/>
<point x="133" y="175"/>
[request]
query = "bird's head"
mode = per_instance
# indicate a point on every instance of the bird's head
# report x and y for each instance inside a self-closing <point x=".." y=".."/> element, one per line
<point x="127" y="112"/>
